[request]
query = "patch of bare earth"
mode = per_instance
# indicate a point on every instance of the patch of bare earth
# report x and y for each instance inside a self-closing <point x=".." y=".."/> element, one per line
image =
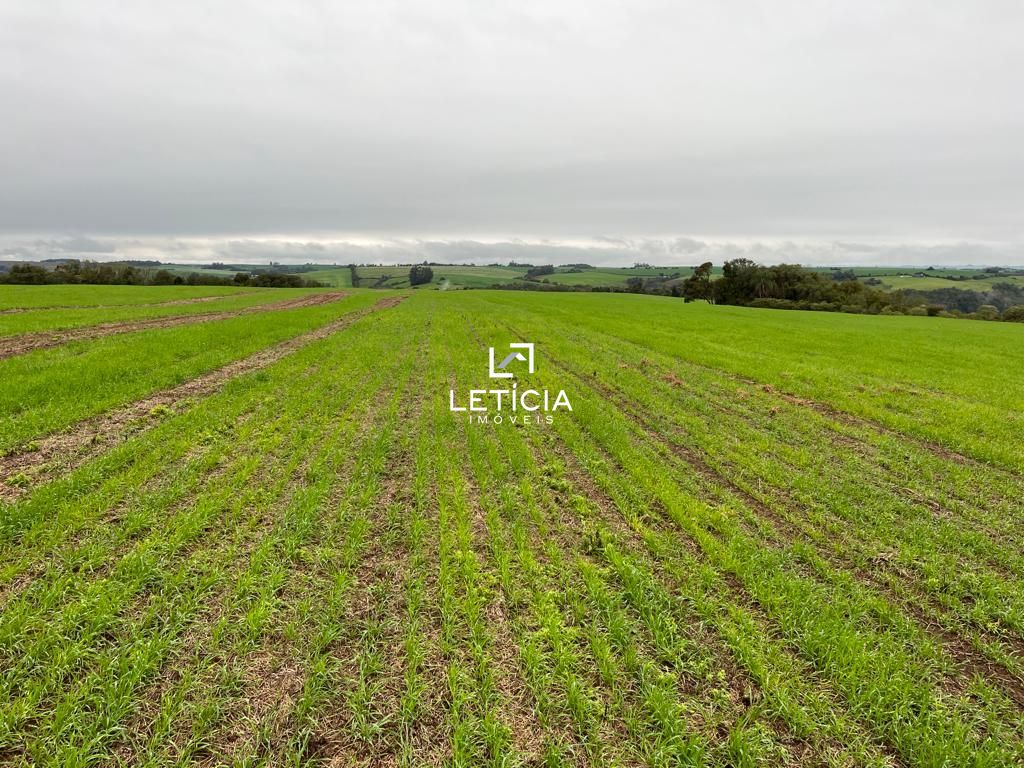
<point x="171" y="303"/>
<point x="64" y="451"/>
<point x="199" y="300"/>
<point x="29" y="342"/>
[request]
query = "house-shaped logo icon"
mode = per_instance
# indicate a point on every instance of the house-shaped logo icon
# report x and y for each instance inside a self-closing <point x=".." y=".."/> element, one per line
<point x="499" y="372"/>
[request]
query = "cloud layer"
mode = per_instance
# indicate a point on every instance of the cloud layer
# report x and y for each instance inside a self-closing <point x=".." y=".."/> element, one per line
<point x="464" y="122"/>
<point x="598" y="251"/>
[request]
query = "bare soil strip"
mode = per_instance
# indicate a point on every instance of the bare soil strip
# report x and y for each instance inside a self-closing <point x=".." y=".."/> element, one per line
<point x="67" y="450"/>
<point x="29" y="342"/>
<point x="198" y="300"/>
<point x="171" y="303"/>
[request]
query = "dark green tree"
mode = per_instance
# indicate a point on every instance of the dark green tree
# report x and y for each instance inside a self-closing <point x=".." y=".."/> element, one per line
<point x="697" y="287"/>
<point x="420" y="274"/>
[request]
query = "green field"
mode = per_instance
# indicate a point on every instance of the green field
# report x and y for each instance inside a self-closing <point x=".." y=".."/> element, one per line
<point x="188" y="269"/>
<point x="383" y="277"/>
<point x="931" y="283"/>
<point x="336" y="277"/>
<point x="447" y="277"/>
<point x="21" y="297"/>
<point x="476" y="277"/>
<point x="758" y="538"/>
<point x="45" y="319"/>
<point x="912" y="271"/>
<point x="614" y="277"/>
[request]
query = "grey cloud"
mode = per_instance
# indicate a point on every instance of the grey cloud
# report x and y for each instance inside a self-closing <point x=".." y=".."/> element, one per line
<point x="79" y="245"/>
<point x="75" y="247"/>
<point x="646" y="125"/>
<point x="597" y="251"/>
<point x="686" y="245"/>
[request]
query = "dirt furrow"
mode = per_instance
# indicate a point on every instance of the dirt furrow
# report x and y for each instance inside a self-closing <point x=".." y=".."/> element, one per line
<point x="171" y="303"/>
<point x="64" y="451"/>
<point x="30" y="342"/>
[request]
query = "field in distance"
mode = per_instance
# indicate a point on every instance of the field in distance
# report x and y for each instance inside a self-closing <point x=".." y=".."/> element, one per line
<point x="448" y="277"/>
<point x="257" y="535"/>
<point x="463" y="276"/>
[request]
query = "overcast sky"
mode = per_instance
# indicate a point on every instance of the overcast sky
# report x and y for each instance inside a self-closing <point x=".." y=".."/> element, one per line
<point x="852" y="132"/>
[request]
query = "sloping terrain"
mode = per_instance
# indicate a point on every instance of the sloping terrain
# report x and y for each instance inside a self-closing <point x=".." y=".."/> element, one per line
<point x="757" y="538"/>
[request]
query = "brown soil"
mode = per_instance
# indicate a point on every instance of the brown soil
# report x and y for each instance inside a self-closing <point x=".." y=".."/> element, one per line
<point x="199" y="300"/>
<point x="67" y="450"/>
<point x="172" y="303"/>
<point x="29" y="342"/>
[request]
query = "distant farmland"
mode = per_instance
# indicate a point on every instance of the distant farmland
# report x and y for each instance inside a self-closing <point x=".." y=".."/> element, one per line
<point x="243" y="527"/>
<point x="930" y="283"/>
<point x="396" y="277"/>
<point x="447" y="277"/>
<point x="454" y="276"/>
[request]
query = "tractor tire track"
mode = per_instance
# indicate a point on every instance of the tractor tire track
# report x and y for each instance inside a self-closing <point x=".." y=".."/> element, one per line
<point x="65" y="451"/>
<point x="30" y="342"/>
<point x="171" y="303"/>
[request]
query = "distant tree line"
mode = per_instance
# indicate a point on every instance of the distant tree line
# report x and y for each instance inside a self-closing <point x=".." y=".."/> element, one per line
<point x="790" y="286"/>
<point x="96" y="273"/>
<point x="1002" y="296"/>
<point x="785" y="286"/>
<point x="535" y="273"/>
